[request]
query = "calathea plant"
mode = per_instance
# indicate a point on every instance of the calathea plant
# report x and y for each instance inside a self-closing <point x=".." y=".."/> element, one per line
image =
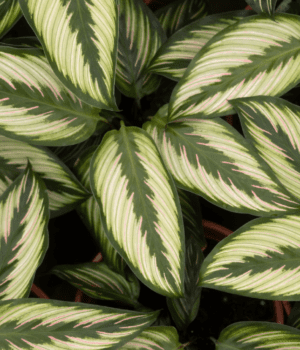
<point x="135" y="178"/>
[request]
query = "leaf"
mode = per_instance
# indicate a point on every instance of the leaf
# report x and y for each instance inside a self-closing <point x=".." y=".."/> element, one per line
<point x="263" y="59"/>
<point x="55" y="324"/>
<point x="272" y="125"/>
<point x="180" y="13"/>
<point x="10" y="13"/>
<point x="24" y="217"/>
<point x="27" y="41"/>
<point x="174" y="56"/>
<point x="35" y="107"/>
<point x="140" y="36"/>
<point x="254" y="335"/>
<point x="64" y="190"/>
<point x="154" y="338"/>
<point x="184" y="310"/>
<point x="263" y="6"/>
<point x="211" y="159"/>
<point x="140" y="209"/>
<point x="259" y="260"/>
<point x="98" y="281"/>
<point x="80" y="42"/>
<point x="89" y="213"/>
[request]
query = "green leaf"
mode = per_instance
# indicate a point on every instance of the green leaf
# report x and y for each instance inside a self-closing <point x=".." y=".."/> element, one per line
<point x="140" y="36"/>
<point x="255" y="56"/>
<point x="64" y="190"/>
<point x="259" y="260"/>
<point x="35" y="107"/>
<point x="179" y="13"/>
<point x="55" y="324"/>
<point x="174" y="56"/>
<point x="10" y="13"/>
<point x="263" y="6"/>
<point x="27" y="41"/>
<point x="24" y="216"/>
<point x="211" y="159"/>
<point x="272" y="125"/>
<point x="255" y="335"/>
<point x="89" y="213"/>
<point x="98" y="281"/>
<point x="155" y="338"/>
<point x="79" y="39"/>
<point x="140" y="209"/>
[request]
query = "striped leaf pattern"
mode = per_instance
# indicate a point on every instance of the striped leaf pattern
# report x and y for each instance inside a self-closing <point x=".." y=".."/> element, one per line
<point x="256" y="335"/>
<point x="10" y="13"/>
<point x="259" y="260"/>
<point x="89" y="213"/>
<point x="174" y="56"/>
<point x="184" y="310"/>
<point x="154" y="338"/>
<point x="80" y="42"/>
<point x="180" y="13"/>
<point x="35" y="107"/>
<point x="211" y="159"/>
<point x="54" y="324"/>
<point x="140" y="209"/>
<point x="24" y="216"/>
<point x="263" y="59"/>
<point x="64" y="190"/>
<point x="263" y="6"/>
<point x="273" y="127"/>
<point x="140" y="36"/>
<point x="98" y="281"/>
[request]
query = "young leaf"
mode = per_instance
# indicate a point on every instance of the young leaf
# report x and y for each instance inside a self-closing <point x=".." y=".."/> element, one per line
<point x="140" y="209"/>
<point x="140" y="36"/>
<point x="255" y="56"/>
<point x="80" y="42"/>
<point x="98" y="281"/>
<point x="24" y="216"/>
<point x="55" y="324"/>
<point x="211" y="159"/>
<point x="259" y="260"/>
<point x="272" y="125"/>
<point x="35" y="107"/>
<point x="174" y="56"/>
<point x="64" y="190"/>
<point x="89" y="213"/>
<point x="179" y="14"/>
<point x="10" y="13"/>
<point x="263" y="6"/>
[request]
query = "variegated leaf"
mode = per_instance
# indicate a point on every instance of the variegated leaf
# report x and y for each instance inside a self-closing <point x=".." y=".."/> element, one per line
<point x="80" y="42"/>
<point x="184" y="310"/>
<point x="27" y="41"/>
<point x="192" y="216"/>
<point x="140" y="36"/>
<point x="180" y="13"/>
<point x="273" y="127"/>
<point x="255" y="56"/>
<point x="24" y="216"/>
<point x="259" y="260"/>
<point x="140" y="209"/>
<point x="10" y="13"/>
<point x="89" y="213"/>
<point x="263" y="6"/>
<point x="211" y="159"/>
<point x="155" y="338"/>
<point x="64" y="190"/>
<point x="174" y="56"/>
<point x="53" y="324"/>
<point x="35" y="107"/>
<point x="258" y="335"/>
<point x="98" y="281"/>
